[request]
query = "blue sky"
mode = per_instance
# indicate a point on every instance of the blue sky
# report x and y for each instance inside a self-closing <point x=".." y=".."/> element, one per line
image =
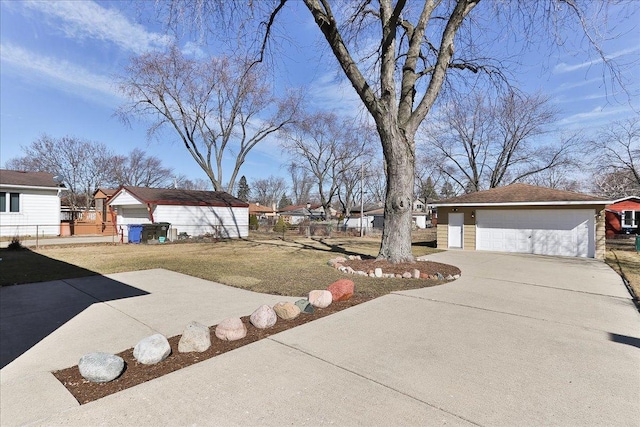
<point x="58" y="59"/>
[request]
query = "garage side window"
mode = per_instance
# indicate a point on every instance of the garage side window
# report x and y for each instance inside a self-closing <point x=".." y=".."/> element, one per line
<point x="14" y="202"/>
<point x="3" y="202"/>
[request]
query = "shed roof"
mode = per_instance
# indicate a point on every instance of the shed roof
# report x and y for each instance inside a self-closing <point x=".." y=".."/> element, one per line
<point x="28" y="179"/>
<point x="171" y="196"/>
<point x="521" y="194"/>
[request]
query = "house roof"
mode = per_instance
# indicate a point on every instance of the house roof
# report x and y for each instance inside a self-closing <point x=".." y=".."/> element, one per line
<point x="380" y="211"/>
<point x="170" y="196"/>
<point x="106" y="191"/>
<point x="521" y="194"/>
<point x="28" y="179"/>
<point x="258" y="208"/>
<point x="631" y="203"/>
<point x="299" y="207"/>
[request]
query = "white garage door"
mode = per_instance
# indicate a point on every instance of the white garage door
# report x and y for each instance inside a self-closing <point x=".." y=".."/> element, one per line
<point x="564" y="232"/>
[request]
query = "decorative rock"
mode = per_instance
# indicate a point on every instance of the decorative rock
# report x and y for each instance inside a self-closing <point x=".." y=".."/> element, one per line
<point x="264" y="317"/>
<point x="398" y="276"/>
<point x="341" y="290"/>
<point x="440" y="276"/>
<point x="416" y="273"/>
<point x="286" y="310"/>
<point x="195" y="337"/>
<point x="305" y="306"/>
<point x="407" y="275"/>
<point x="378" y="272"/>
<point x="449" y="277"/>
<point x="231" y="329"/>
<point x="456" y="276"/>
<point x="100" y="367"/>
<point x="338" y="266"/>
<point x="151" y="350"/>
<point x="320" y="299"/>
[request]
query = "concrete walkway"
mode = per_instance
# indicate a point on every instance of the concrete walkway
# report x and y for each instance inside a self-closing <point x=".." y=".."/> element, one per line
<point x="517" y="340"/>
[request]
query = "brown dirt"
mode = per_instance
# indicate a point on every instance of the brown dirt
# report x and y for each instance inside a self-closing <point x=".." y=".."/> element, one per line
<point x="136" y="373"/>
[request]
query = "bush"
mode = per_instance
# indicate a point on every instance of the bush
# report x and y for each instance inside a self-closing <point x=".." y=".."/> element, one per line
<point x="280" y="226"/>
<point x="15" y="244"/>
<point x="253" y="222"/>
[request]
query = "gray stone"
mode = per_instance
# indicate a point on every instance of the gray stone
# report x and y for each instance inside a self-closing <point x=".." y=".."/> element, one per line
<point x="456" y="276"/>
<point x="151" y="350"/>
<point x="440" y="276"/>
<point x="231" y="329"/>
<point x="449" y="277"/>
<point x="378" y="272"/>
<point x="305" y="306"/>
<point x="264" y="317"/>
<point x="196" y="337"/>
<point x="407" y="275"/>
<point x="416" y="273"/>
<point x="100" y="367"/>
<point x="320" y="298"/>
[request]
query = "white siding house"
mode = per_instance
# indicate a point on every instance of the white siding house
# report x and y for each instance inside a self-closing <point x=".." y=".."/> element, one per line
<point x="192" y="212"/>
<point x="29" y="204"/>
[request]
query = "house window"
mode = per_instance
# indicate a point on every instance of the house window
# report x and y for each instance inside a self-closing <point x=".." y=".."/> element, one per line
<point x="630" y="219"/>
<point x="13" y="203"/>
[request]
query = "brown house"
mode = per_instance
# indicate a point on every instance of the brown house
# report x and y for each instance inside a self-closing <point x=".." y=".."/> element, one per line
<point x="524" y="219"/>
<point x="623" y="217"/>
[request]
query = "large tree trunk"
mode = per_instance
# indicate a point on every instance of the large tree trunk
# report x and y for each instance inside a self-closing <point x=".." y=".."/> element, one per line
<point x="399" y="155"/>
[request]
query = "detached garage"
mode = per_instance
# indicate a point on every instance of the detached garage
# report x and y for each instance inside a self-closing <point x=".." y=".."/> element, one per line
<point x="192" y="212"/>
<point x="524" y="219"/>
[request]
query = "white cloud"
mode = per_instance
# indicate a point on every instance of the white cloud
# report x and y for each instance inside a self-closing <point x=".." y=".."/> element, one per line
<point x="65" y="75"/>
<point x="87" y="19"/>
<point x="566" y="68"/>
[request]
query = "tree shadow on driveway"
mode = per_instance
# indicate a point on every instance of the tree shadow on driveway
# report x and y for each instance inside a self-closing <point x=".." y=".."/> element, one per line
<point x="30" y="312"/>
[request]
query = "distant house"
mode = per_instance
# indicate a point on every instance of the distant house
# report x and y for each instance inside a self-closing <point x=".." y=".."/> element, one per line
<point x="29" y="203"/>
<point x="262" y="212"/>
<point x="419" y="219"/>
<point x="188" y="211"/>
<point x="298" y="213"/>
<point x="623" y="217"/>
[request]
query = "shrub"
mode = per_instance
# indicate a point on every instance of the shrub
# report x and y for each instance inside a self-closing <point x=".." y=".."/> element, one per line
<point x="280" y="226"/>
<point x="253" y="222"/>
<point x="15" y="244"/>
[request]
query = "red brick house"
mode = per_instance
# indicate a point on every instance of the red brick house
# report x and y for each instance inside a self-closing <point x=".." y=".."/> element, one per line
<point x="623" y="217"/>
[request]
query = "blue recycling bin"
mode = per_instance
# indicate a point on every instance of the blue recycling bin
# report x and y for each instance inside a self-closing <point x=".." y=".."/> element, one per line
<point x="135" y="233"/>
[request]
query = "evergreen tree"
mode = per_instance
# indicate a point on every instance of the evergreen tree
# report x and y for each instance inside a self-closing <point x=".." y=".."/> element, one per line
<point x="243" y="189"/>
<point x="284" y="202"/>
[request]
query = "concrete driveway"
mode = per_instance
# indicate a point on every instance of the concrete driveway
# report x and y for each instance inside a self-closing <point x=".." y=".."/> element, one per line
<point x="517" y="340"/>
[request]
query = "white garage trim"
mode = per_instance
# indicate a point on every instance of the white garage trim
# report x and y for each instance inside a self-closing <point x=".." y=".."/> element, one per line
<point x="564" y="232"/>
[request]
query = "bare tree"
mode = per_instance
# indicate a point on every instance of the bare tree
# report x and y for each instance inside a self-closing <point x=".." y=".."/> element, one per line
<point x="82" y="165"/>
<point x="617" y="153"/>
<point x="301" y="183"/>
<point x="269" y="191"/>
<point x="484" y="143"/>
<point x="615" y="184"/>
<point x="184" y="183"/>
<point x="219" y="107"/>
<point x="140" y="170"/>
<point x="327" y="147"/>
<point x="398" y="55"/>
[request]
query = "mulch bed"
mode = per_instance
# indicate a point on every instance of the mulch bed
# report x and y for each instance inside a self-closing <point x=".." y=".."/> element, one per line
<point x="136" y="373"/>
<point x="427" y="267"/>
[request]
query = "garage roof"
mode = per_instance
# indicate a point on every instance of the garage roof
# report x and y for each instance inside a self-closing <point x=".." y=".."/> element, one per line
<point x="28" y="179"/>
<point x="522" y="195"/>
<point x="171" y="196"/>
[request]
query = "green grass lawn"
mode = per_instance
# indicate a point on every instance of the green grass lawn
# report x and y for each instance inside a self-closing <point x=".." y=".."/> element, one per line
<point x="291" y="267"/>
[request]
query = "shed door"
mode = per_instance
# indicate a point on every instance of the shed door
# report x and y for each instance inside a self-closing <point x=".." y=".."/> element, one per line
<point x="564" y="232"/>
<point x="456" y="221"/>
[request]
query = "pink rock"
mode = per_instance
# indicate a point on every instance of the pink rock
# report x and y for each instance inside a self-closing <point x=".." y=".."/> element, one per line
<point x="320" y="299"/>
<point x="231" y="329"/>
<point x="341" y="290"/>
<point x="264" y="317"/>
